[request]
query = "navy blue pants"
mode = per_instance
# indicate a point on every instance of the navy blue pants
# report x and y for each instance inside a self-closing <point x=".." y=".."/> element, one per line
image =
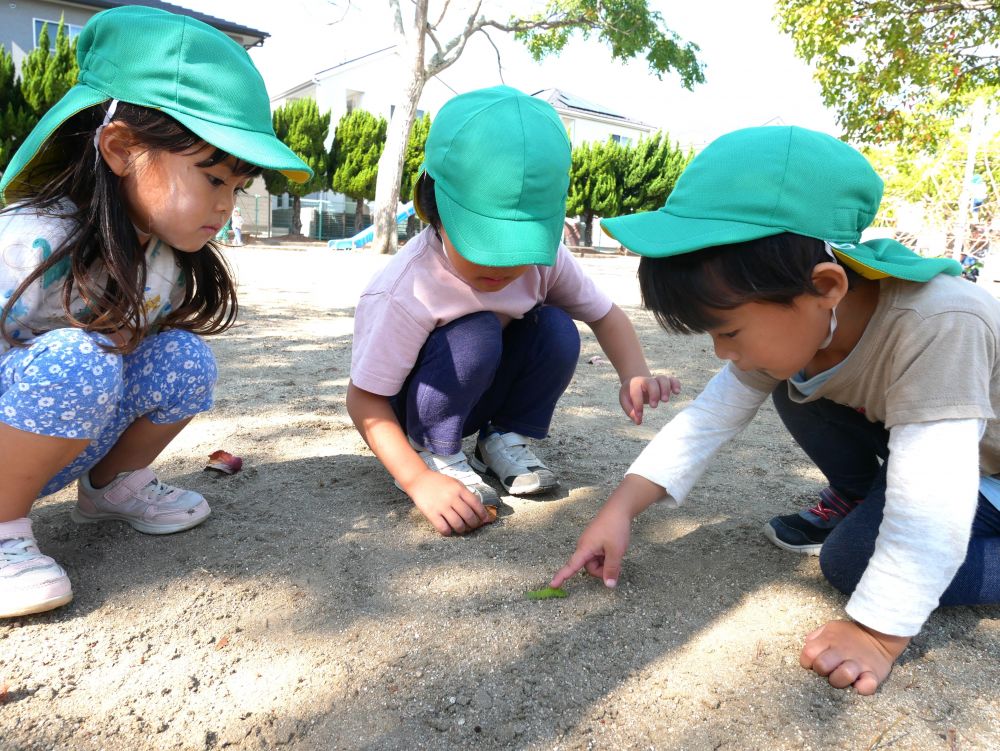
<point x="847" y="447"/>
<point x="473" y="372"/>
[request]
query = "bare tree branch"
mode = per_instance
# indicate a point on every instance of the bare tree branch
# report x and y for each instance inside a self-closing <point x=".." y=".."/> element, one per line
<point x="453" y="50"/>
<point x="444" y="11"/>
<point x="497" y="50"/>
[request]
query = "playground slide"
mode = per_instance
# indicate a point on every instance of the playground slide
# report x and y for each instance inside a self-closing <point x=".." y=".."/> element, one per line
<point x="365" y="236"/>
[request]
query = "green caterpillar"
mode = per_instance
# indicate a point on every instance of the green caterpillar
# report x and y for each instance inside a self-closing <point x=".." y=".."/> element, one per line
<point x="545" y="593"/>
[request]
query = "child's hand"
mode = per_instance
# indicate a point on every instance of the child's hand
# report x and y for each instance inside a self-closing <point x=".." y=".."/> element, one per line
<point x="601" y="548"/>
<point x="849" y="654"/>
<point x="447" y="503"/>
<point x="650" y="390"/>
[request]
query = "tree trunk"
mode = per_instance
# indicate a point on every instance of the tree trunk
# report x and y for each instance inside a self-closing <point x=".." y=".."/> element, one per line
<point x="296" y="225"/>
<point x="390" y="165"/>
<point x="359" y="214"/>
<point x="588" y="221"/>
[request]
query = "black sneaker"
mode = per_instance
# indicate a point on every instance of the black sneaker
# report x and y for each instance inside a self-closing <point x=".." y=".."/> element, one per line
<point x="806" y="531"/>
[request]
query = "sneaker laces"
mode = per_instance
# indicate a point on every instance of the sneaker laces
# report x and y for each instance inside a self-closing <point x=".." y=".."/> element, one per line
<point x="831" y="506"/>
<point x="17" y="550"/>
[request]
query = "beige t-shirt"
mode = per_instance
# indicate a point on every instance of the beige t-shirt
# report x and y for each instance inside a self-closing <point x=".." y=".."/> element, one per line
<point x="929" y="352"/>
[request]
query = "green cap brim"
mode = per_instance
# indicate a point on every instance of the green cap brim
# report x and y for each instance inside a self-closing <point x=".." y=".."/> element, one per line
<point x="877" y="259"/>
<point x="658" y="234"/>
<point x="76" y="99"/>
<point x="261" y="149"/>
<point x="488" y="241"/>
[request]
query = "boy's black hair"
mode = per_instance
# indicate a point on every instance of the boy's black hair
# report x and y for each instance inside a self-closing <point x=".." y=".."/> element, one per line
<point x="682" y="291"/>
<point x="428" y="201"/>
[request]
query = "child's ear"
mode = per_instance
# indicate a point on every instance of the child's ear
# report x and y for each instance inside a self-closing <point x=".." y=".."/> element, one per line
<point x="831" y="281"/>
<point x="117" y="147"/>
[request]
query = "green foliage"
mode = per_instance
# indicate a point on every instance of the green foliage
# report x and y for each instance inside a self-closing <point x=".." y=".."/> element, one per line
<point x="628" y="27"/>
<point x="596" y="179"/>
<point x="16" y="119"/>
<point x="357" y="145"/>
<point x="46" y="77"/>
<point x="897" y="70"/>
<point x="652" y="168"/>
<point x="928" y="187"/>
<point x="414" y="156"/>
<point x="301" y="127"/>
<point x="608" y="179"/>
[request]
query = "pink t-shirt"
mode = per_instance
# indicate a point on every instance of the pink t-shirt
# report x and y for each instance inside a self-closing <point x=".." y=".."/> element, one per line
<point x="419" y="291"/>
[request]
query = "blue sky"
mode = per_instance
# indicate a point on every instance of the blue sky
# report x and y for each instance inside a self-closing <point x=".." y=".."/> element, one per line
<point x="752" y="75"/>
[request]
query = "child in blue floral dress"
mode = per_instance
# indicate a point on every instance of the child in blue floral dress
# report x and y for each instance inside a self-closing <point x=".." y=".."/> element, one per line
<point x="107" y="277"/>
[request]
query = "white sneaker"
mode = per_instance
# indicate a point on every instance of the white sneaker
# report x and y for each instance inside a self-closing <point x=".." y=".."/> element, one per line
<point x="507" y="457"/>
<point x="30" y="582"/>
<point x="457" y="466"/>
<point x="143" y="501"/>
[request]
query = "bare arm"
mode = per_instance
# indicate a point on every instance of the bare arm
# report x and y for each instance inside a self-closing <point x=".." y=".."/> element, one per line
<point x="618" y="339"/>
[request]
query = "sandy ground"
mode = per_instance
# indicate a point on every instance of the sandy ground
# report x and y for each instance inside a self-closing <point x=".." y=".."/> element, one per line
<point x="317" y="610"/>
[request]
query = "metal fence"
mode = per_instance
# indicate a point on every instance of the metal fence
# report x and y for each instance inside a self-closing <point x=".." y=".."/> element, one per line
<point x="262" y="222"/>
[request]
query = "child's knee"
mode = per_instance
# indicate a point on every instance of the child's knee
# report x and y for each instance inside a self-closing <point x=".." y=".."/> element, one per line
<point x="473" y="344"/>
<point x="840" y="566"/>
<point x="183" y="357"/>
<point x="560" y="334"/>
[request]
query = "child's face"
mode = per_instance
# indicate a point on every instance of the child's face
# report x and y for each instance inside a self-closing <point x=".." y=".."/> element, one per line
<point x="183" y="204"/>
<point x="778" y="339"/>
<point x="481" y="278"/>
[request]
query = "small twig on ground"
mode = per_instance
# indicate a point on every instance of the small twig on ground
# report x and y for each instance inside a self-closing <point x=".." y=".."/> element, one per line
<point x="878" y="738"/>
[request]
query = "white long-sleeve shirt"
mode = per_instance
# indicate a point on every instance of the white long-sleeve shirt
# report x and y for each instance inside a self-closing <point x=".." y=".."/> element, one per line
<point x="930" y="500"/>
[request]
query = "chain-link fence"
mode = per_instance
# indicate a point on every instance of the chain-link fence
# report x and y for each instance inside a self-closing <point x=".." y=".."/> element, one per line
<point x="261" y="221"/>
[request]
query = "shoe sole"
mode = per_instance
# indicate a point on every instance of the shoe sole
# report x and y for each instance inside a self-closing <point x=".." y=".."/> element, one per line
<point x="37" y="607"/>
<point x="538" y="487"/>
<point x="771" y="535"/>
<point x="145" y="527"/>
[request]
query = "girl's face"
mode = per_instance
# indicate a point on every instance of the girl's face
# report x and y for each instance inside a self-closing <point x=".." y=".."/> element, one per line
<point x="480" y="278"/>
<point x="169" y="195"/>
<point x="779" y="339"/>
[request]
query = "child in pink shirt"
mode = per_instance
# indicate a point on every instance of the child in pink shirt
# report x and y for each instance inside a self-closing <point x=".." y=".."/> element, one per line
<point x="470" y="328"/>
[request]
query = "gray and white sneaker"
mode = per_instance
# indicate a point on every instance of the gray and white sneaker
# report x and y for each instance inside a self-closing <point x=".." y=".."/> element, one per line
<point x="507" y="457"/>
<point x="457" y="466"/>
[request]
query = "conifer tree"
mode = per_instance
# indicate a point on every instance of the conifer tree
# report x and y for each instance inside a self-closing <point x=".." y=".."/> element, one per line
<point x="46" y="77"/>
<point x="595" y="185"/>
<point x="16" y="119"/>
<point x="301" y="127"/>
<point x="411" y="167"/>
<point x="652" y="168"/>
<point x="357" y="146"/>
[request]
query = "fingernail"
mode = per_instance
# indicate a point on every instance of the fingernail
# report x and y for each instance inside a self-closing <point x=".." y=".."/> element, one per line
<point x="610" y="582"/>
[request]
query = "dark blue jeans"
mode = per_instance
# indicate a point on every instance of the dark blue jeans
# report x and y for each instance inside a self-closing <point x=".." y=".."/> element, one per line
<point x="846" y="447"/>
<point x="472" y="373"/>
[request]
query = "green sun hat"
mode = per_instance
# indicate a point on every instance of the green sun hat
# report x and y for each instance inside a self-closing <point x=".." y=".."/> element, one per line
<point x="758" y="182"/>
<point x="173" y="63"/>
<point x="500" y="162"/>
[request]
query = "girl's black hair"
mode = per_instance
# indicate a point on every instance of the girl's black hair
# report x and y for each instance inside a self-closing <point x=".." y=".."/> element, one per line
<point x="103" y="241"/>
<point x="682" y="291"/>
<point x="428" y="200"/>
